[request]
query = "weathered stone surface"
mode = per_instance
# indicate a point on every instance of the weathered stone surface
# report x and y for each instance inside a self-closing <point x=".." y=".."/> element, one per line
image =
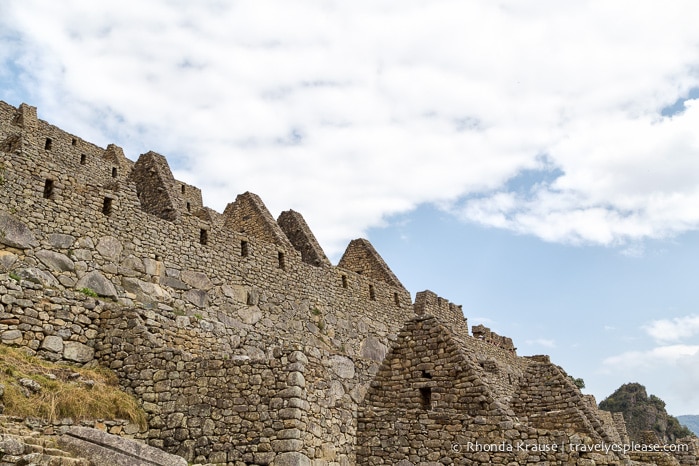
<point x="11" y="446"/>
<point x="152" y="267"/>
<point x="35" y="275"/>
<point x="7" y="259"/>
<point x="97" y="283"/>
<point x="372" y="348"/>
<point x="105" y="449"/>
<point x="197" y="297"/>
<point x="11" y="337"/>
<point x="174" y="283"/>
<point x="31" y="385"/>
<point x="75" y="351"/>
<point x="134" y="263"/>
<point x="250" y="315"/>
<point x="61" y="241"/>
<point x="55" y="260"/>
<point x="15" y="234"/>
<point x="342" y="366"/>
<point x="197" y="280"/>
<point x="291" y="459"/>
<point x="145" y="291"/>
<point x="53" y="343"/>
<point x="109" y="247"/>
<point x="238" y="293"/>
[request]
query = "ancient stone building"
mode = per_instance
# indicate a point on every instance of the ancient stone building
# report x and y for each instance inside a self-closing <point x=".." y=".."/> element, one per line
<point x="244" y="344"/>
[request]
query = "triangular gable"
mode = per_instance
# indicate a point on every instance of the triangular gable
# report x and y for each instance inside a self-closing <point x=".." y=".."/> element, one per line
<point x="155" y="186"/>
<point x="302" y="238"/>
<point x="361" y="257"/>
<point x="548" y="399"/>
<point x="250" y="216"/>
<point x="426" y="370"/>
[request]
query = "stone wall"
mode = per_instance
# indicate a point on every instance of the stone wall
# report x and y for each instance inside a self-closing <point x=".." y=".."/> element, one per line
<point x="242" y="342"/>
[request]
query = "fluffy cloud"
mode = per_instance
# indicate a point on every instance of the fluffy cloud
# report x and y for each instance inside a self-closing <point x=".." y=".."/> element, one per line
<point x="675" y="329"/>
<point x="661" y="355"/>
<point x="352" y="111"/>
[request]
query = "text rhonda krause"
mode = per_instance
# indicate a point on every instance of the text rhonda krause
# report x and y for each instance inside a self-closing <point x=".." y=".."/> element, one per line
<point x="571" y="447"/>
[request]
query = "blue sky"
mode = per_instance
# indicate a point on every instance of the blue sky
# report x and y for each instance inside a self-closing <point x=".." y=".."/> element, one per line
<point x="537" y="163"/>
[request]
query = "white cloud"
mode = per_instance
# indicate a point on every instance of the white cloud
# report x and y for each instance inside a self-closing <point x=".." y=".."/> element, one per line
<point x="661" y="355"/>
<point x="541" y="342"/>
<point x="351" y="111"/>
<point x="675" y="329"/>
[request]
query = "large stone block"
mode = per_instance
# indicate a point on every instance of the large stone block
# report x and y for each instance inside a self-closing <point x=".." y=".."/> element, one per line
<point x="75" y="351"/>
<point x="15" y="234"/>
<point x="55" y="261"/>
<point x="97" y="283"/>
<point x="34" y="275"/>
<point x="291" y="458"/>
<point x="109" y="247"/>
<point x="104" y="449"/>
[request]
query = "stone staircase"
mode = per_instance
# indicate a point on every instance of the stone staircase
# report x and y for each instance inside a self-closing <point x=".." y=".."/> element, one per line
<point x="22" y="446"/>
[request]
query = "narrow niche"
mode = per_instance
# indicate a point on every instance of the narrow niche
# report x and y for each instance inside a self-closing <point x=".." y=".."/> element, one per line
<point x="344" y="281"/>
<point x="73" y="142"/>
<point x="281" y="261"/>
<point x="189" y="207"/>
<point x="204" y="237"/>
<point x="107" y="206"/>
<point x="114" y="172"/>
<point x="372" y="293"/>
<point x="426" y="398"/>
<point x="83" y="159"/>
<point x="183" y="189"/>
<point x="48" y="143"/>
<point x="396" y="299"/>
<point x="244" y="248"/>
<point x="48" y="189"/>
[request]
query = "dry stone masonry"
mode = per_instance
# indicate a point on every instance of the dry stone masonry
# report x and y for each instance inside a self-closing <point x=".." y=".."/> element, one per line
<point x="245" y="345"/>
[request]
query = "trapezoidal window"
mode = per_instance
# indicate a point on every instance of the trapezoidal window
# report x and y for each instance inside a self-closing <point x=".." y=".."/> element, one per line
<point x="372" y="293"/>
<point x="114" y="172"/>
<point x="396" y="299"/>
<point x="203" y="237"/>
<point x="244" y="249"/>
<point x="426" y="397"/>
<point x="83" y="159"/>
<point x="281" y="260"/>
<point x="344" y="281"/>
<point x="48" y="189"/>
<point x="107" y="206"/>
<point x="189" y="207"/>
<point x="74" y="142"/>
<point x="183" y="189"/>
<point x="48" y="143"/>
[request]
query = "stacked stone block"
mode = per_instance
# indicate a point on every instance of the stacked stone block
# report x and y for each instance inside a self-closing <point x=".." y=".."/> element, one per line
<point x="244" y="345"/>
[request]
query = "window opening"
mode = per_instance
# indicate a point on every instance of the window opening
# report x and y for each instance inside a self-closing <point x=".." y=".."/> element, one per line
<point x="244" y="248"/>
<point x="203" y="237"/>
<point x="48" y="189"/>
<point x="107" y="206"/>
<point x="426" y="397"/>
<point x="48" y="144"/>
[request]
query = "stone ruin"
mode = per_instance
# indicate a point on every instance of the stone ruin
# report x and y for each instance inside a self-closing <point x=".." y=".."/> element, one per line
<point x="245" y="345"/>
